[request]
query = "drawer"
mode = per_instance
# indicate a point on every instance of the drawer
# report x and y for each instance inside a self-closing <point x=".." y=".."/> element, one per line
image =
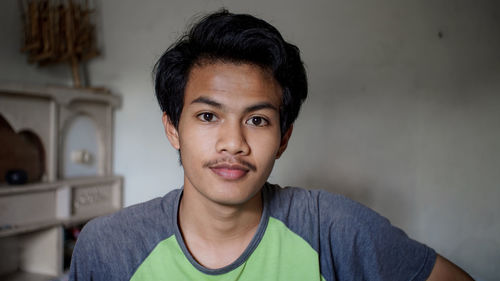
<point x="34" y="206"/>
<point x="96" y="199"/>
<point x="26" y="208"/>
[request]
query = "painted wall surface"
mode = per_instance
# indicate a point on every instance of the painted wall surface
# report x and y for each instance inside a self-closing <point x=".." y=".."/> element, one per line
<point x="403" y="113"/>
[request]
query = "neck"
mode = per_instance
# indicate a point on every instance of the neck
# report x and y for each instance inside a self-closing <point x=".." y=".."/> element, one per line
<point x="217" y="234"/>
<point x="214" y="222"/>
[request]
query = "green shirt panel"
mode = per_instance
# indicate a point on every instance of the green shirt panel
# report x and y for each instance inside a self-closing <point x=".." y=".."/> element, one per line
<point x="281" y="255"/>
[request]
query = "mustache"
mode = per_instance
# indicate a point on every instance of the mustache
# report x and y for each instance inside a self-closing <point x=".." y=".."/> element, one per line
<point x="230" y="160"/>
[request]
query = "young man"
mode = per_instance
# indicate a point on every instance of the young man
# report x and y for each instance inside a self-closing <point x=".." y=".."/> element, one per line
<point x="230" y="91"/>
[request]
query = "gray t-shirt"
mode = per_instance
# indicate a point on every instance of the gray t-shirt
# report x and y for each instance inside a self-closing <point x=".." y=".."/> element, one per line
<point x="302" y="235"/>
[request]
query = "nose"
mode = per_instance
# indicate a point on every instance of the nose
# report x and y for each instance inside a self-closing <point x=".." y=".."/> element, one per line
<point x="232" y="139"/>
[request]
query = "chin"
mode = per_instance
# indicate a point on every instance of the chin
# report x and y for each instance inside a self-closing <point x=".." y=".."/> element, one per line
<point x="233" y="197"/>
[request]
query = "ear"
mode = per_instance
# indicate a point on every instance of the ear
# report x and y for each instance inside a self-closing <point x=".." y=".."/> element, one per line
<point x="171" y="131"/>
<point x="284" y="141"/>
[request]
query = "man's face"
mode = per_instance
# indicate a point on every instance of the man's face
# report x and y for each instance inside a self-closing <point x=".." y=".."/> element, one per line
<point x="229" y="131"/>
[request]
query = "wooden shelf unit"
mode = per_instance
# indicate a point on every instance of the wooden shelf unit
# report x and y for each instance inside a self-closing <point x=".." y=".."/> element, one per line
<point x="33" y="216"/>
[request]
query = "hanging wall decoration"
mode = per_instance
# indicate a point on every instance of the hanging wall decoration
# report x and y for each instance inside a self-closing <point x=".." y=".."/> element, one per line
<point x="59" y="31"/>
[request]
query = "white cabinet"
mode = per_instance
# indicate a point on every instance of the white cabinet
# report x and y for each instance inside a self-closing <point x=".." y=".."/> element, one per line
<point x="33" y="216"/>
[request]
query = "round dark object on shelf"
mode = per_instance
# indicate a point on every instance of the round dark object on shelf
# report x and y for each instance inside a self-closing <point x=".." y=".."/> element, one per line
<point x="16" y="177"/>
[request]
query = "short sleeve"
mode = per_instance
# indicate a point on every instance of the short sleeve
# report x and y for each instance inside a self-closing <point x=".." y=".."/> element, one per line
<point x="362" y="245"/>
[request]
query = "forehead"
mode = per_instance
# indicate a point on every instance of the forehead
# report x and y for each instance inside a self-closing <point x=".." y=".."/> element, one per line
<point x="232" y="82"/>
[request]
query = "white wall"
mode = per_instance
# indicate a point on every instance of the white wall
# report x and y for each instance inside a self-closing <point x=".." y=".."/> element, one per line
<point x="398" y="118"/>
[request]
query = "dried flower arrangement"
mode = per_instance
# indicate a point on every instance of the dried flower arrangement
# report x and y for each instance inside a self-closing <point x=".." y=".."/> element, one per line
<point x="58" y="31"/>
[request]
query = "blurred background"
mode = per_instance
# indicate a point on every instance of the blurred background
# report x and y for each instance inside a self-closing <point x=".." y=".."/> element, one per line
<point x="403" y="113"/>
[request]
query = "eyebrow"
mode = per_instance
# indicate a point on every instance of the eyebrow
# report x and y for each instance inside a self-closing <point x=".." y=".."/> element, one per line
<point x="255" y="107"/>
<point x="208" y="101"/>
<point x="259" y="106"/>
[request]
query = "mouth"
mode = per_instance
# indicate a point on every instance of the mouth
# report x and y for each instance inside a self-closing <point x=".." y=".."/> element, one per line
<point x="229" y="171"/>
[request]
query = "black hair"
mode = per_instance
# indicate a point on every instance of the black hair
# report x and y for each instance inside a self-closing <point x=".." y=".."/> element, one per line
<point x="237" y="38"/>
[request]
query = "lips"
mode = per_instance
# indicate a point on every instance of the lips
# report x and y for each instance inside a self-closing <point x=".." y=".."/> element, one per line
<point x="230" y="171"/>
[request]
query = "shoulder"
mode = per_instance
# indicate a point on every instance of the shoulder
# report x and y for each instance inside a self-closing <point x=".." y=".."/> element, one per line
<point x="318" y="203"/>
<point x="133" y="218"/>
<point x="311" y="213"/>
<point x="351" y="239"/>
<point x="326" y="211"/>
<point x="116" y="244"/>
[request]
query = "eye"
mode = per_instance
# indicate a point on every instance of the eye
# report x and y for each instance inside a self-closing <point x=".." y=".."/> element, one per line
<point x="207" y="117"/>
<point x="257" y="121"/>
